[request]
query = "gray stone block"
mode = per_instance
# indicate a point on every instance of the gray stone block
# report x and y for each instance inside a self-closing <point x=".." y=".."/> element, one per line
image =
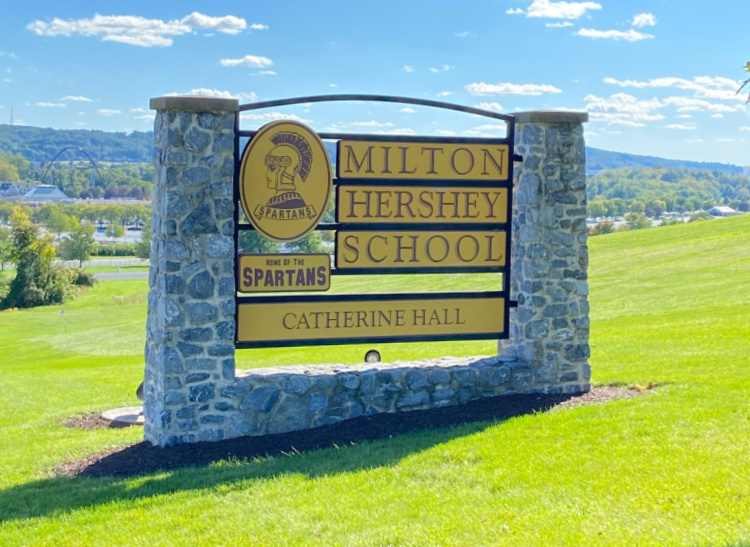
<point x="413" y="400"/>
<point x="202" y="392"/>
<point x="201" y="286"/>
<point x="235" y="390"/>
<point x="291" y="415"/>
<point x="261" y="399"/>
<point x="199" y="221"/>
<point x="296" y="383"/>
<point x="196" y="141"/>
<point x="349" y="381"/>
<point x="317" y="403"/>
<point x="195" y="377"/>
<point x="201" y="313"/>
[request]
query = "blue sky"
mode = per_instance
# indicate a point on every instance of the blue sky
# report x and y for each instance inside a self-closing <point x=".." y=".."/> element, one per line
<point x="658" y="77"/>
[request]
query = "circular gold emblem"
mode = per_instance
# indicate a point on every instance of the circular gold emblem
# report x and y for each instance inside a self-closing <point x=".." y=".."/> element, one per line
<point x="285" y="180"/>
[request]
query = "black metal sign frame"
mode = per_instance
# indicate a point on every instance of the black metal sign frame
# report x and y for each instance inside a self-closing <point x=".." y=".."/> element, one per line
<point x="339" y="227"/>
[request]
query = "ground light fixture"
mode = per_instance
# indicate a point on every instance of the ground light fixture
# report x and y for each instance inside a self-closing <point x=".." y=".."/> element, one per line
<point x="372" y="356"/>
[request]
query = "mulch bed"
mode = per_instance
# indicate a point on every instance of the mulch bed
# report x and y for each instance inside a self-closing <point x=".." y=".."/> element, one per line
<point x="91" y="421"/>
<point x="143" y="458"/>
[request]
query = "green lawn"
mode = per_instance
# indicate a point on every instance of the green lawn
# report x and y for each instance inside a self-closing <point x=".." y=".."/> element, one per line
<point x="670" y="306"/>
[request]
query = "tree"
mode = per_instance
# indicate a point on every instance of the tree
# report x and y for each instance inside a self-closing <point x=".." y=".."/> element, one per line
<point x="700" y="215"/>
<point x="6" y="248"/>
<point x="637" y="221"/>
<point x="115" y="230"/>
<point x="746" y="82"/>
<point x="143" y="247"/>
<point x="80" y="244"/>
<point x="37" y="281"/>
<point x="311" y="243"/>
<point x="58" y="222"/>
<point x="605" y="227"/>
<point x="252" y="242"/>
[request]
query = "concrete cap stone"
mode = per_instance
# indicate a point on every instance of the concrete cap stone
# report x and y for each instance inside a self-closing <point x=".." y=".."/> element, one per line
<point x="551" y="116"/>
<point x="194" y="103"/>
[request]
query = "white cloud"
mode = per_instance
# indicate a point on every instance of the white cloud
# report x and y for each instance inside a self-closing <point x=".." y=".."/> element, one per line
<point x="372" y="123"/>
<point x="445" y="94"/>
<point x="402" y="131"/>
<point x="688" y="104"/>
<point x="681" y="127"/>
<point x="136" y="30"/>
<point x="407" y="110"/>
<point x="717" y="115"/>
<point x="138" y="110"/>
<point x="409" y="68"/>
<point x="628" y="35"/>
<point x="52" y="105"/>
<point x="435" y="70"/>
<point x="266" y="73"/>
<point x="563" y="24"/>
<point x="465" y="34"/>
<point x="108" y="112"/>
<point x="258" y="26"/>
<point x="731" y="140"/>
<point x="481" y="89"/>
<point x="250" y="61"/>
<point x="218" y="94"/>
<point x="78" y="98"/>
<point x="444" y="132"/>
<point x="644" y="20"/>
<point x="745" y="128"/>
<point x="494" y="106"/>
<point x="514" y="11"/>
<point x="145" y="117"/>
<point x="8" y="54"/>
<point x="560" y="10"/>
<point x="475" y="133"/>
<point x="271" y="116"/>
<point x="622" y="109"/>
<point x="495" y="127"/>
<point x="332" y="85"/>
<point x="705" y="87"/>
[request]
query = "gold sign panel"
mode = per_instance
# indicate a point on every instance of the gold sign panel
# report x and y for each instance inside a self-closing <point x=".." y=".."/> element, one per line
<point x="419" y="205"/>
<point x="363" y="249"/>
<point x="375" y="318"/>
<point x="285" y="180"/>
<point x="284" y="272"/>
<point x="422" y="161"/>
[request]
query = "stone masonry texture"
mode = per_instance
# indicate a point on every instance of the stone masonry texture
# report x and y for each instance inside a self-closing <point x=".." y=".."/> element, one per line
<point x="192" y="391"/>
<point x="190" y="325"/>
<point x="550" y="328"/>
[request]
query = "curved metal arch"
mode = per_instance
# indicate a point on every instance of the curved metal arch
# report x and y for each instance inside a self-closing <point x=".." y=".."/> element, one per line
<point x="379" y="98"/>
<point x="91" y="160"/>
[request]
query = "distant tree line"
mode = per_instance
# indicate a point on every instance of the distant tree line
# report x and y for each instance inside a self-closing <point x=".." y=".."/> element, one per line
<point x="38" y="144"/>
<point x="655" y="191"/>
<point x="78" y="179"/>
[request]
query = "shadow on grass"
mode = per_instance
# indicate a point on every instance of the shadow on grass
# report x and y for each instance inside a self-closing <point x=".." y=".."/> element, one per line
<point x="350" y="446"/>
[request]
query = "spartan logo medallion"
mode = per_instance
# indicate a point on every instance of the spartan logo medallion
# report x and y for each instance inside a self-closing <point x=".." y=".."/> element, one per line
<point x="285" y="180"/>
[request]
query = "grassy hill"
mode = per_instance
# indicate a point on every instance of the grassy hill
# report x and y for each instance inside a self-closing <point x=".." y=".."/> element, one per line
<point x="669" y="307"/>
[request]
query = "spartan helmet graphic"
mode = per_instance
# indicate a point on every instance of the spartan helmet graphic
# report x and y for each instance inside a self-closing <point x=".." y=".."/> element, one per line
<point x="287" y="162"/>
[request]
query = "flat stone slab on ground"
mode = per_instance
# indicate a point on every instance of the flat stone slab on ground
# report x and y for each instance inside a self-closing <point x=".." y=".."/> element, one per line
<point x="129" y="415"/>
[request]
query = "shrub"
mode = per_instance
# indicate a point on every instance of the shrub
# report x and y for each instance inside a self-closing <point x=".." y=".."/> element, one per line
<point x="121" y="249"/>
<point x="83" y="278"/>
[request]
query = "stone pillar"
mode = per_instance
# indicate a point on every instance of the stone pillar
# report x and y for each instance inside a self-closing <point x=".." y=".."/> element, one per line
<point x="191" y="303"/>
<point x="550" y="328"/>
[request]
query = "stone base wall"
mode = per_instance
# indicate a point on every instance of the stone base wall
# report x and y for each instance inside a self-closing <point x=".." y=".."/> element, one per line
<point x="283" y="399"/>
